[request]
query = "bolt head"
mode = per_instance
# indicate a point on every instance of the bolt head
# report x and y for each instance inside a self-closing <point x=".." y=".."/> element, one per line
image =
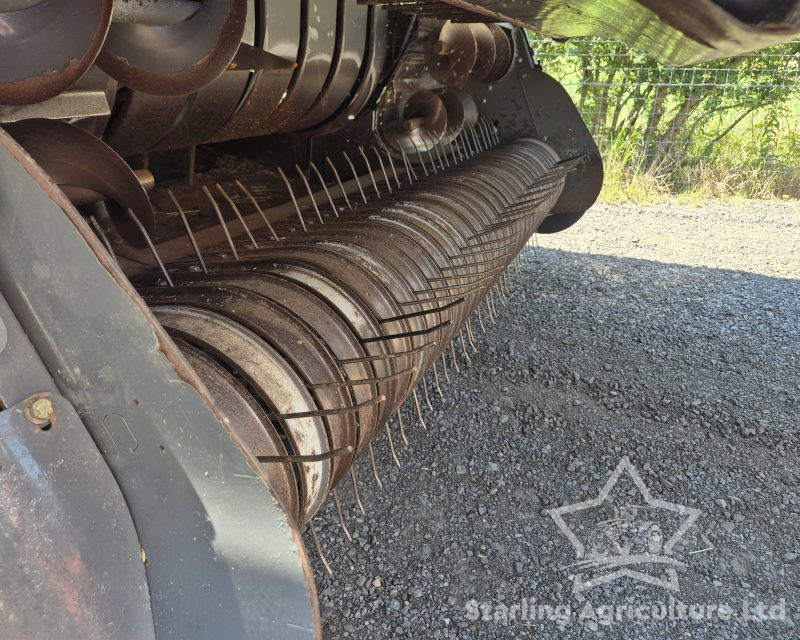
<point x="42" y="409"/>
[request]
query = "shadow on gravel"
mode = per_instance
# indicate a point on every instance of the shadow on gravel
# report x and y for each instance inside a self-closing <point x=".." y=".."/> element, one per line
<point x="692" y="373"/>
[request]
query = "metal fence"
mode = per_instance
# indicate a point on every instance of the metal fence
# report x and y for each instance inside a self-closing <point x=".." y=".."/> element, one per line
<point x="728" y="127"/>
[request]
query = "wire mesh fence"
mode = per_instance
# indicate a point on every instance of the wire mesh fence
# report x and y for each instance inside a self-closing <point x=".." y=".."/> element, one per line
<point x="730" y="127"/>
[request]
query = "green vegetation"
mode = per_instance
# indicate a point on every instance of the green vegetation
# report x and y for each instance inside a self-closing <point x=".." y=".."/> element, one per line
<point x="727" y="128"/>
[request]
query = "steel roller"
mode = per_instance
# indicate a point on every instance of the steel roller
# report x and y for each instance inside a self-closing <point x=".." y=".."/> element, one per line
<point x="321" y="336"/>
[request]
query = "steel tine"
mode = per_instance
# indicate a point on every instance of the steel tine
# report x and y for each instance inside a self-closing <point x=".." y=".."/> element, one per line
<point x="438" y="155"/>
<point x="481" y="128"/>
<point x="465" y="140"/>
<point x="419" y="408"/>
<point x="188" y="230"/>
<point x="369" y="169"/>
<point x="237" y="212"/>
<point x="402" y="427"/>
<point x="455" y="359"/>
<point x="355" y="176"/>
<point x="374" y="466"/>
<point x="475" y="138"/>
<point x="252" y="199"/>
<point x="341" y="517"/>
<point x="332" y="167"/>
<point x="319" y="548"/>
<point x="391" y="166"/>
<point x="308" y="190"/>
<point x="436" y="379"/>
<point x="356" y="492"/>
<point x="444" y="153"/>
<point x="444" y="367"/>
<point x="325" y="187"/>
<point x="391" y="445"/>
<point x="409" y="169"/>
<point x="150" y="244"/>
<point x="471" y="337"/>
<point x="430" y="157"/>
<point x="102" y="235"/>
<point x="464" y="346"/>
<point x="427" y="397"/>
<point x="294" y="200"/>
<point x="419" y="155"/>
<point x="383" y="169"/>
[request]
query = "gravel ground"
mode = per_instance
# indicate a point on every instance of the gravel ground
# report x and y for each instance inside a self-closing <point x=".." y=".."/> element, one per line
<point x="667" y="334"/>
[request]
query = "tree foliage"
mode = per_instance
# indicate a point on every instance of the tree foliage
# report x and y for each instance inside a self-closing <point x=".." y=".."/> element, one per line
<point x="670" y="120"/>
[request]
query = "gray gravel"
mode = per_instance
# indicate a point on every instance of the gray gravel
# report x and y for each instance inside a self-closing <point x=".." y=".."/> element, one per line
<point x="668" y="334"/>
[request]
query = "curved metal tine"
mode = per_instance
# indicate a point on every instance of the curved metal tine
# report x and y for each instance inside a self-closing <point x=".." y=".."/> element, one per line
<point x="430" y="157"/>
<point x="188" y="230"/>
<point x="472" y="263"/>
<point x="419" y="155"/>
<point x="495" y="132"/>
<point x="485" y="133"/>
<point x="464" y="346"/>
<point x="374" y="466"/>
<point x="318" y="413"/>
<point x="102" y="235"/>
<point x="493" y="315"/>
<point x="482" y="134"/>
<point x="481" y="142"/>
<point x="469" y="132"/>
<point x="312" y="457"/>
<point x="341" y="517"/>
<point x="389" y="356"/>
<point x="470" y="336"/>
<point x="492" y="131"/>
<point x="444" y="153"/>
<point x="408" y="334"/>
<point x="369" y="169"/>
<point x="391" y="445"/>
<point x="252" y="199"/>
<point x="439" y="155"/>
<point x="419" y="408"/>
<point x="465" y="141"/>
<point x="475" y="138"/>
<point x="427" y="397"/>
<point x="436" y="379"/>
<point x="294" y="200"/>
<point x="319" y="548"/>
<point x="150" y="244"/>
<point x="479" y="278"/>
<point x="488" y="127"/>
<point x="310" y="194"/>
<point x="402" y="428"/>
<point x="481" y="127"/>
<point x="237" y="212"/>
<point x="332" y="167"/>
<point x="355" y="176"/>
<point x="383" y="169"/>
<point x="409" y="169"/>
<point x="455" y="359"/>
<point x="325" y="187"/>
<point x="356" y="492"/>
<point x="214" y="204"/>
<point x="450" y="136"/>
<point x="458" y="145"/>
<point x="391" y="165"/>
<point x="444" y="367"/>
<point x="425" y="312"/>
<point x="363" y="381"/>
